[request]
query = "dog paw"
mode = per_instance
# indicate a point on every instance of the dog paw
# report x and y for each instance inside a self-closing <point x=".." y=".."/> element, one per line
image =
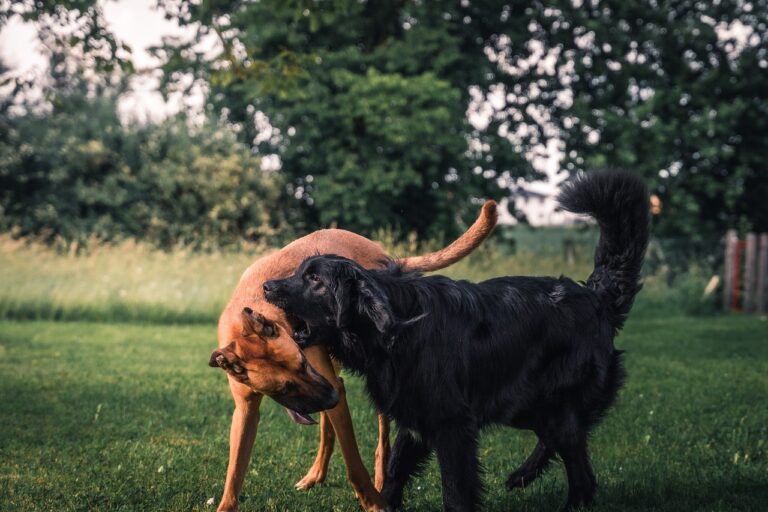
<point x="309" y="482"/>
<point x="518" y="481"/>
<point x="377" y="508"/>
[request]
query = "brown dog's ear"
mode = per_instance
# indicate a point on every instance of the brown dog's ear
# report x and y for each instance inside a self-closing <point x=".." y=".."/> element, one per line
<point x="257" y="324"/>
<point x="268" y="327"/>
<point x="249" y="327"/>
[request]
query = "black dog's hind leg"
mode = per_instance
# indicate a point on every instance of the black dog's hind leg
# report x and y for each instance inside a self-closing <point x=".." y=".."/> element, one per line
<point x="533" y="467"/>
<point x="571" y="444"/>
<point x="408" y="457"/>
<point x="459" y="468"/>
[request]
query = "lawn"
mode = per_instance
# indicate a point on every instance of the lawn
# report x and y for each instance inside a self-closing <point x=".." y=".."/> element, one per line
<point x="119" y="416"/>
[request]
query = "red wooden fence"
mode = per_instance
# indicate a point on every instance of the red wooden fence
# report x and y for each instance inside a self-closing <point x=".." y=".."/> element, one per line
<point x="747" y="258"/>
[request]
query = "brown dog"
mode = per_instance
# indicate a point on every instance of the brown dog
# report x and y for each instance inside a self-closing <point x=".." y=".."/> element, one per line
<point x="257" y="350"/>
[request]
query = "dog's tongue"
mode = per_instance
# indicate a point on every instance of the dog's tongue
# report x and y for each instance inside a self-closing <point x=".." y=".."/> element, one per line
<point x="301" y="419"/>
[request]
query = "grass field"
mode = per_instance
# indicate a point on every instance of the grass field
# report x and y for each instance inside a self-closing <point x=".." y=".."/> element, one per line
<point x="130" y="282"/>
<point x="106" y="401"/>
<point x="119" y="416"/>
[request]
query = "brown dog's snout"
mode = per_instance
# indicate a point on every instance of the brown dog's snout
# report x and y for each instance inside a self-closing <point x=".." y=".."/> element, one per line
<point x="324" y="394"/>
<point x="311" y="394"/>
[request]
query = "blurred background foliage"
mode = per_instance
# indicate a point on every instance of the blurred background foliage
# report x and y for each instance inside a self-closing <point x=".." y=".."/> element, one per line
<point x="74" y="173"/>
<point x="366" y="105"/>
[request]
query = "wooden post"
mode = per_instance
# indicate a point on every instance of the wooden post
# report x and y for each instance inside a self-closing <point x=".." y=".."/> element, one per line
<point x="737" y="303"/>
<point x="750" y="276"/>
<point x="762" y="275"/>
<point x="731" y="239"/>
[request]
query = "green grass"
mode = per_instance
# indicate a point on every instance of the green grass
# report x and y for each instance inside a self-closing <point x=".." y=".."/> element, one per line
<point x="99" y="416"/>
<point x="116" y="409"/>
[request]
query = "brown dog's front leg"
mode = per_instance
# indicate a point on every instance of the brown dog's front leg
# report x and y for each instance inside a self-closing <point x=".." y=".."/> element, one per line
<point x="382" y="452"/>
<point x="358" y="476"/>
<point x="245" y="421"/>
<point x="319" y="469"/>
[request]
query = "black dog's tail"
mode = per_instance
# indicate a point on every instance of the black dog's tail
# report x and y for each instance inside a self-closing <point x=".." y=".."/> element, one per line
<point x="618" y="200"/>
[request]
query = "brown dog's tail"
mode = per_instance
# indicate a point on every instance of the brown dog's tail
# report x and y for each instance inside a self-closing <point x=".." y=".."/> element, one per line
<point x="460" y="247"/>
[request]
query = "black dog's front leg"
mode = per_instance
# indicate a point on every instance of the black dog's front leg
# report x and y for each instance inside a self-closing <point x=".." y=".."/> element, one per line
<point x="408" y="457"/>
<point x="456" y="448"/>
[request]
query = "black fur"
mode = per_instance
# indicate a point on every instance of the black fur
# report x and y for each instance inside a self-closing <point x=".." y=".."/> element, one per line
<point x="446" y="358"/>
<point x="619" y="203"/>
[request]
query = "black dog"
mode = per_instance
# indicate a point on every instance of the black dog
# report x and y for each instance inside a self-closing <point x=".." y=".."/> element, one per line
<point x="445" y="358"/>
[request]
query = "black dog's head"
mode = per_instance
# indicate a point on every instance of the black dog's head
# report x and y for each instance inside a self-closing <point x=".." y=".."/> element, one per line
<point x="332" y="291"/>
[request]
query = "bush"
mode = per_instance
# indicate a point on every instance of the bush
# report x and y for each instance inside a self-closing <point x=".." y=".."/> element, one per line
<point x="76" y="174"/>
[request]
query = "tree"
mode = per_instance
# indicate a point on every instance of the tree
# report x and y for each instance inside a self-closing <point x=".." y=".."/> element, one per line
<point x="71" y="171"/>
<point x="651" y="85"/>
<point x="200" y="187"/>
<point x="75" y="28"/>
<point x="676" y="90"/>
<point x="367" y="105"/>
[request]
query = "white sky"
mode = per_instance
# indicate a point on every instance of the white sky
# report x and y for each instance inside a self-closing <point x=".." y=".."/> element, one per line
<point x="135" y="22"/>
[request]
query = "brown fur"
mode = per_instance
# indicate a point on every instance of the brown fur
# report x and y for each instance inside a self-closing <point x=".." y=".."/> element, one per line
<point x="274" y="364"/>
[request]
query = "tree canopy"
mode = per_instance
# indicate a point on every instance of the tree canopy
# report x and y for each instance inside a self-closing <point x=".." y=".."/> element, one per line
<point x="407" y="114"/>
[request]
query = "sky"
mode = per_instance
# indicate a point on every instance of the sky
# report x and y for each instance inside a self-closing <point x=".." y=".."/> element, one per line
<point x="137" y="23"/>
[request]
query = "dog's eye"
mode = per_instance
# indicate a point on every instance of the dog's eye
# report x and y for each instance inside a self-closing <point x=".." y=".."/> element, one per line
<point x="313" y="278"/>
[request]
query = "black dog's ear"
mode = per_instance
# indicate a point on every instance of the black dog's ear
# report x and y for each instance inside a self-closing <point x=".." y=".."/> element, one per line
<point x="342" y="296"/>
<point x="373" y="303"/>
<point x="356" y="290"/>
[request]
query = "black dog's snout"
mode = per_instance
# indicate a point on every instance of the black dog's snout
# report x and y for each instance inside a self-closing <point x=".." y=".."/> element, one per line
<point x="269" y="286"/>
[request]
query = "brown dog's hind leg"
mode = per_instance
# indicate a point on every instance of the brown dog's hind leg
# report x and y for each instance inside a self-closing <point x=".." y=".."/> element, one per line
<point x="319" y="469"/>
<point x="382" y="452"/>
<point x="245" y="421"/>
<point x="369" y="498"/>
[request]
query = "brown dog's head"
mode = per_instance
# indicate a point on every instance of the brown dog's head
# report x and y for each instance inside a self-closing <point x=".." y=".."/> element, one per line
<point x="265" y="358"/>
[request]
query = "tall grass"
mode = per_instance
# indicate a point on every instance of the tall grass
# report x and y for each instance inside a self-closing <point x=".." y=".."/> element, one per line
<point x="130" y="282"/>
<point x="125" y="282"/>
